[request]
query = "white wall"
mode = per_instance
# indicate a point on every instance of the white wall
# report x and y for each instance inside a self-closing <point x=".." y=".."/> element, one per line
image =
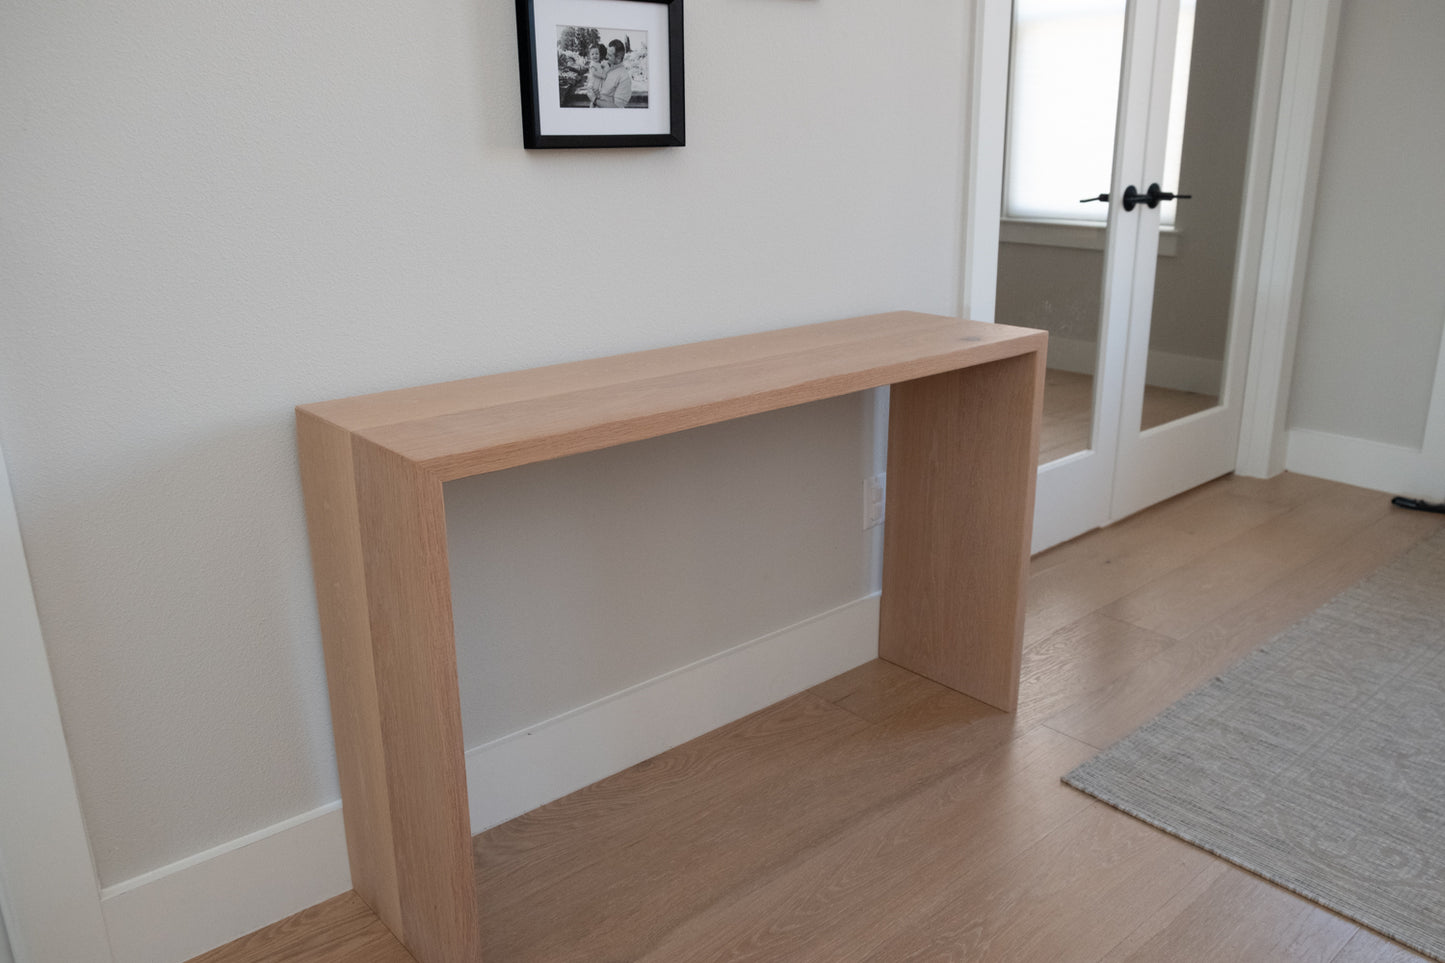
<point x="650" y="557"/>
<point x="1374" y="295"/>
<point x="216" y="211"/>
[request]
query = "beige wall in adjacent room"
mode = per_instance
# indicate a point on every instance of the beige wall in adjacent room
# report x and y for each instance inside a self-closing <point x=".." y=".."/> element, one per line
<point x="5" y="955"/>
<point x="1374" y="296"/>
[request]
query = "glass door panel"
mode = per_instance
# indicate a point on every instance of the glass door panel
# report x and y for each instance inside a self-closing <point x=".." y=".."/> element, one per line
<point x="1064" y="77"/>
<point x="1206" y="158"/>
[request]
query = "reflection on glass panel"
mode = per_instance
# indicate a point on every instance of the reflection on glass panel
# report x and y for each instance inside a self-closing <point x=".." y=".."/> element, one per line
<point x="1063" y="94"/>
<point x="1178" y="106"/>
<point x="1215" y="76"/>
<point x="1063" y="99"/>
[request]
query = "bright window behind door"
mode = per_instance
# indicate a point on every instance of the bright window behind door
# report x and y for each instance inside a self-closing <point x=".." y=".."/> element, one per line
<point x="1064" y="92"/>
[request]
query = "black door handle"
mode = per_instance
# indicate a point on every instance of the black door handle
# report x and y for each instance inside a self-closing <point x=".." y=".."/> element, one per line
<point x="1149" y="198"/>
<point x="1155" y="195"/>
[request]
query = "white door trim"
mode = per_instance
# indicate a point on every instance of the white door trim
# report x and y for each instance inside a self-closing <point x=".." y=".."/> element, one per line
<point x="1430" y="482"/>
<point x="985" y="124"/>
<point x="1304" y="96"/>
<point x="48" y="887"/>
<point x="1294" y="176"/>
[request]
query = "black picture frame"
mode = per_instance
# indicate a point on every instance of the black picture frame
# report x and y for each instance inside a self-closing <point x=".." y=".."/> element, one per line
<point x="655" y="119"/>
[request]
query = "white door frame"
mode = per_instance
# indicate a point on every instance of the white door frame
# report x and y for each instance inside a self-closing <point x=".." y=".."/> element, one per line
<point x="1429" y="475"/>
<point x="49" y="891"/>
<point x="1309" y="59"/>
<point x="1306" y="50"/>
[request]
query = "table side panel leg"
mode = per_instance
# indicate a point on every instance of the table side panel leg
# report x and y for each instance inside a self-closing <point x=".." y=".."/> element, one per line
<point x="404" y="552"/>
<point x="328" y="480"/>
<point x="962" y="447"/>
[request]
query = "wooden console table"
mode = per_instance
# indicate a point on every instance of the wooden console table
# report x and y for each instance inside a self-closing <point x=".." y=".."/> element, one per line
<point x="962" y="441"/>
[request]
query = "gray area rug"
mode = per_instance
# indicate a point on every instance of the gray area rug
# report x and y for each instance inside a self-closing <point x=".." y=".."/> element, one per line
<point x="1318" y="762"/>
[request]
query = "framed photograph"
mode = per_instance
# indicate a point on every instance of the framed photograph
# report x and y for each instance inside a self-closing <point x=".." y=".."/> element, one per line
<point x="601" y="73"/>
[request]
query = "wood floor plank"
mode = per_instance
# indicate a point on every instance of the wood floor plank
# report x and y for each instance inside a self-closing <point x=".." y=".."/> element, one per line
<point x="1229" y="914"/>
<point x="1216" y="510"/>
<point x="1083" y="576"/>
<point x="1163" y="405"/>
<point x="1368" y="947"/>
<point x="1083" y="657"/>
<point x="834" y="899"/>
<point x="875" y="690"/>
<point x="1070" y="896"/>
<point x="1068" y="414"/>
<point x="1287" y="488"/>
<point x="340" y="930"/>
<point x="1182" y="600"/>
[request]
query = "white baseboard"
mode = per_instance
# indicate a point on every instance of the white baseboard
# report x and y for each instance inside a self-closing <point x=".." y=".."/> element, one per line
<point x="1368" y="464"/>
<point x="206" y="900"/>
<point x="582" y="746"/>
<point x="1166" y="370"/>
<point x="1183" y="372"/>
<point x="1071" y="354"/>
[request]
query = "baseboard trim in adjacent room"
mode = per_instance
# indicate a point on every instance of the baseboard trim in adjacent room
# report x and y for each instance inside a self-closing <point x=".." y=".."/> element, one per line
<point x="1179" y="372"/>
<point x="1073" y="354"/>
<point x="1396" y="469"/>
<point x="1183" y="372"/>
<point x="206" y="900"/>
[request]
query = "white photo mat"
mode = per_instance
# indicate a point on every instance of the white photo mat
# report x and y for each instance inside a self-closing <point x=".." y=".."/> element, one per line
<point x="627" y="15"/>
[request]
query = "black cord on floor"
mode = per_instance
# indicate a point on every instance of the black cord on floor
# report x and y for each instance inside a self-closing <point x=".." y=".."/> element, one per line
<point x="1418" y="504"/>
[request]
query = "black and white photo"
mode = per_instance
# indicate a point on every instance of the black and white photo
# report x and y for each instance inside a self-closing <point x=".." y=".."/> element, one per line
<point x="601" y="67"/>
<point x="601" y="73"/>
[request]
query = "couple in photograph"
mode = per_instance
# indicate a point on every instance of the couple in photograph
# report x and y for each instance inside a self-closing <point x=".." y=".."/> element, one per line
<point x="609" y="81"/>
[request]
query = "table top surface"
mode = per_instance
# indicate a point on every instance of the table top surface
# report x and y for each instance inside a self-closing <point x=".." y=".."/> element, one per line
<point x="460" y="428"/>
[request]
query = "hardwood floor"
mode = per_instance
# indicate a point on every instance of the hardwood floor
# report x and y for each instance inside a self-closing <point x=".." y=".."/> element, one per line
<point x="880" y="817"/>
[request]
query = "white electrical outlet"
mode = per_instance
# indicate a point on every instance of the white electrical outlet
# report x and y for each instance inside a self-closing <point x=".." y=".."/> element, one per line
<point x="875" y="491"/>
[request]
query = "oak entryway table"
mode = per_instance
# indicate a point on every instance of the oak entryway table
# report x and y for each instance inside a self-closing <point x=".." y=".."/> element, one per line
<point x="962" y="436"/>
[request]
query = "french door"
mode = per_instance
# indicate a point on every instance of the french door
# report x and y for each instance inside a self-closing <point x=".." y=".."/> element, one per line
<point x="1115" y="107"/>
